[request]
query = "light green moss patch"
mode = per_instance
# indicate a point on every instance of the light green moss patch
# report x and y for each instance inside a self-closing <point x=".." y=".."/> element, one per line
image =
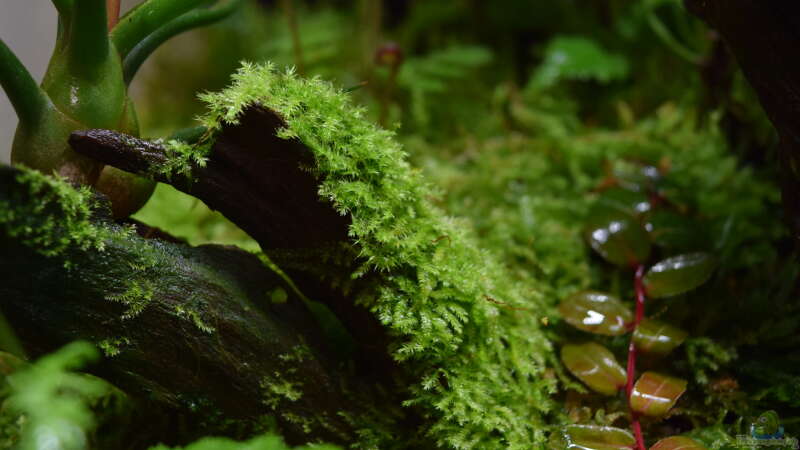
<point x="113" y="346"/>
<point x="278" y="388"/>
<point x="193" y="315"/>
<point x="51" y="216"/>
<point x="181" y="156"/>
<point x="480" y="367"/>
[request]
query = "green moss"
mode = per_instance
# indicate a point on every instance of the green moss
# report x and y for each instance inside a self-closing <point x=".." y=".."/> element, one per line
<point x="51" y="216"/>
<point x="277" y="389"/>
<point x="112" y="347"/>
<point x="193" y="315"/>
<point x="181" y="156"/>
<point x="480" y="367"/>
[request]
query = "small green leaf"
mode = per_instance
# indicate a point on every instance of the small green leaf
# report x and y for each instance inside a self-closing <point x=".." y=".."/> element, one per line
<point x="678" y="274"/>
<point x="591" y="437"/>
<point x="652" y="336"/>
<point x="596" y="312"/>
<point x="654" y="394"/>
<point x="618" y="237"/>
<point x="594" y="365"/>
<point x="677" y="443"/>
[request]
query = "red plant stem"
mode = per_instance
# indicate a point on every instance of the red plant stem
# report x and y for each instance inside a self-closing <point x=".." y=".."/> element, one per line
<point x="112" y="10"/>
<point x="631" y="369"/>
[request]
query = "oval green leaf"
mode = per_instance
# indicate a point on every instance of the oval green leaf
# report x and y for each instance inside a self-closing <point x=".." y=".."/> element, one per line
<point x="659" y="338"/>
<point x="596" y="312"/>
<point x="654" y="393"/>
<point x="678" y="443"/>
<point x="595" y="366"/>
<point x="618" y="237"/>
<point x="595" y="437"/>
<point x="678" y="274"/>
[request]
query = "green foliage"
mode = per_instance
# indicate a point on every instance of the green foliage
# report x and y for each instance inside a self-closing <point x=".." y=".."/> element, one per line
<point x="435" y="294"/>
<point x="50" y="404"/>
<point x="578" y="58"/>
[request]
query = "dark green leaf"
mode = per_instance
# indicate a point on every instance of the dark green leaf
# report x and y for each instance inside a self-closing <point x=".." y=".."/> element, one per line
<point x="677" y="443"/>
<point x="618" y="237"/>
<point x="596" y="312"/>
<point x="595" y="366"/>
<point x="652" y="336"/>
<point x="591" y="437"/>
<point x="654" y="394"/>
<point x="678" y="274"/>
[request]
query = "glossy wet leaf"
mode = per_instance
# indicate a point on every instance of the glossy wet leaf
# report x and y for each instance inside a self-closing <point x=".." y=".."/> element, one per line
<point x="653" y="336"/>
<point x="618" y="237"/>
<point x="678" y="274"/>
<point x="676" y="232"/>
<point x="678" y="443"/>
<point x="596" y="312"/>
<point x="595" y="366"/>
<point x="654" y="393"/>
<point x="626" y="201"/>
<point x="595" y="437"/>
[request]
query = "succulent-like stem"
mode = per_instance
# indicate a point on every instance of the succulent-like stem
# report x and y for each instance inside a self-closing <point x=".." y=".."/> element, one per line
<point x="28" y="99"/>
<point x="192" y="19"/>
<point x="64" y="7"/>
<point x="88" y="42"/>
<point x="146" y="18"/>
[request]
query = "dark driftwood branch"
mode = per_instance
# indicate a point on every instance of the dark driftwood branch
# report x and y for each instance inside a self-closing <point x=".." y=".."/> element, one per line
<point x="261" y="183"/>
<point x="165" y="355"/>
<point x="254" y="178"/>
<point x="764" y="35"/>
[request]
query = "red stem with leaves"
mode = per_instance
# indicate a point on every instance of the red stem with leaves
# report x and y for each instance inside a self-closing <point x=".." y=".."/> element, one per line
<point x="631" y="369"/>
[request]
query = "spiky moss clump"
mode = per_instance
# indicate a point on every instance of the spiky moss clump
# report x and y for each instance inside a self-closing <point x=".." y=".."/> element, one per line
<point x="50" y="216"/>
<point x="480" y="366"/>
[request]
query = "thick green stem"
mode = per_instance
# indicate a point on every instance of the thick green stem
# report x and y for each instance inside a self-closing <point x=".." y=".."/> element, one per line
<point x="88" y="36"/>
<point x="148" y="17"/>
<point x="28" y="99"/>
<point x="188" y="21"/>
<point x="64" y="7"/>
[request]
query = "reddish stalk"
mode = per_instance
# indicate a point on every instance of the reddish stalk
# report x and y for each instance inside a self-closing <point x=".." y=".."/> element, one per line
<point x="631" y="369"/>
<point x="112" y="11"/>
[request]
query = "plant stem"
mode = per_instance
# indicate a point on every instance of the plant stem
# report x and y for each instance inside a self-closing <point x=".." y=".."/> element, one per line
<point x="146" y="18"/>
<point x="297" y="45"/>
<point x="22" y="90"/>
<point x="112" y="12"/>
<point x="631" y="368"/>
<point x="192" y="19"/>
<point x="88" y="36"/>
